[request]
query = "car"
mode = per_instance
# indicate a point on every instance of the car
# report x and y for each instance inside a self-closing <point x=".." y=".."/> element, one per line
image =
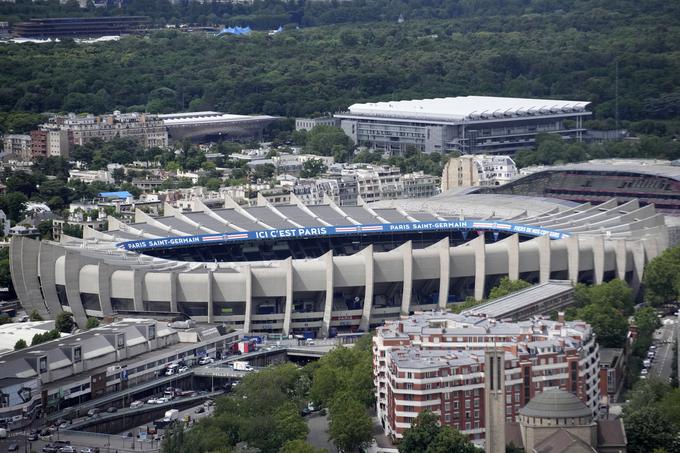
<point x="45" y="432"/>
<point x="13" y="447"/>
<point x="92" y="412"/>
<point x="112" y="409"/>
<point x="89" y="450"/>
<point x="62" y="443"/>
<point x="644" y="376"/>
<point x="646" y="363"/>
<point x="64" y="425"/>
<point x="67" y="449"/>
<point x="162" y="400"/>
<point x="206" y="360"/>
<point x="151" y="401"/>
<point x="200" y="410"/>
<point x="183" y="369"/>
<point x="136" y="404"/>
<point x="32" y="436"/>
<point x="644" y="371"/>
<point x="49" y="448"/>
<point x="652" y="348"/>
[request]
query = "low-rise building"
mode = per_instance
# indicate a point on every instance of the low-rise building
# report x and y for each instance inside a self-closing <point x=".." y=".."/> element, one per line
<point x="89" y="176"/>
<point x="436" y="361"/>
<point x="420" y="185"/>
<point x="541" y="299"/>
<point x="306" y="124"/>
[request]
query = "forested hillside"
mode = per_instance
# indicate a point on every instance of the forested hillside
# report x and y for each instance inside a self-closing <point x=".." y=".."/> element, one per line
<point x="569" y="51"/>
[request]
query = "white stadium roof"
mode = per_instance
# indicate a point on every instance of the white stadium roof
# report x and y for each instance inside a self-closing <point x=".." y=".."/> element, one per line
<point x="467" y="108"/>
<point x="182" y="119"/>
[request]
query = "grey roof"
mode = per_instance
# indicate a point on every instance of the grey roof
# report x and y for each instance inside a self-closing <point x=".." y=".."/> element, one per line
<point x="660" y="168"/>
<point x="609" y="355"/>
<point x="504" y="306"/>
<point x="206" y="221"/>
<point x="555" y="403"/>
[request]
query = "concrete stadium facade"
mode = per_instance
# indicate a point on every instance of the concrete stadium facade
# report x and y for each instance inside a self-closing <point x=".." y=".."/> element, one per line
<point x="343" y="291"/>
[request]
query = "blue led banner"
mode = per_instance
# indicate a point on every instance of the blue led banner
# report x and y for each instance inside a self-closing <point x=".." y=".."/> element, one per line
<point x="329" y="231"/>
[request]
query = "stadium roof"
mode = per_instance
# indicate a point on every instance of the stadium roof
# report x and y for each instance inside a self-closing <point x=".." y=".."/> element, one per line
<point x="652" y="167"/>
<point x="464" y="108"/>
<point x="182" y="119"/>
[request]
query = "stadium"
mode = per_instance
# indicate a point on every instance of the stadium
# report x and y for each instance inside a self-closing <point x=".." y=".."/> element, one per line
<point x="327" y="269"/>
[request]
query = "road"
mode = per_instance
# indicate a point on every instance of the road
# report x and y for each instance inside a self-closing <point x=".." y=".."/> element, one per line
<point x="663" y="338"/>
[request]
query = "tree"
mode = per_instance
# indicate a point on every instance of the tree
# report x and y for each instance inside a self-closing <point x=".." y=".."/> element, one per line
<point x="92" y="322"/>
<point x="507" y="286"/>
<point x="64" y="322"/>
<point x="324" y="139"/>
<point x="450" y="440"/>
<point x="646" y="321"/>
<point x="610" y="326"/>
<point x="350" y="427"/>
<point x="648" y="428"/>
<point x="423" y="430"/>
<point x="312" y="168"/>
<point x="300" y="446"/>
<point x="20" y="344"/>
<point x="661" y="278"/>
<point x="35" y="316"/>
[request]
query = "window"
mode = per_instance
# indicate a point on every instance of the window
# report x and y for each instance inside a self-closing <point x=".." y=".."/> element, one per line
<point x="77" y="355"/>
<point x="42" y="364"/>
<point x="152" y="332"/>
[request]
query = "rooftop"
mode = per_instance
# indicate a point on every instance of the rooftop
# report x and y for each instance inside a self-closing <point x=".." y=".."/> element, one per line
<point x="467" y="108"/>
<point x="504" y="306"/>
<point x="653" y="167"/>
<point x="555" y="403"/>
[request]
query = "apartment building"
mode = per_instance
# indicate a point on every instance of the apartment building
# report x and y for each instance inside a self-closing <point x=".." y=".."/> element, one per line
<point x="436" y="361"/>
<point x="16" y="145"/>
<point x="478" y="170"/>
<point x="62" y="132"/>
<point x="307" y="124"/>
<point x="420" y="185"/>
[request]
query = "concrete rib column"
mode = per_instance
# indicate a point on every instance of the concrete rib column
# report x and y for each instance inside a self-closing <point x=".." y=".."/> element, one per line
<point x="328" y="306"/>
<point x="24" y="270"/>
<point x="407" y="287"/>
<point x="211" y="283"/>
<point x="72" y="278"/>
<point x="573" y="257"/>
<point x="543" y="258"/>
<point x="512" y="244"/>
<point x="104" y="272"/>
<point x="288" y="311"/>
<point x="479" y="245"/>
<point x="173" y="292"/>
<point x="249" y="297"/>
<point x="651" y="249"/>
<point x="138" y="282"/>
<point x="598" y="259"/>
<point x="444" y="271"/>
<point x="621" y="259"/>
<point x="638" y="264"/>
<point x="48" y="279"/>
<point x="368" y="292"/>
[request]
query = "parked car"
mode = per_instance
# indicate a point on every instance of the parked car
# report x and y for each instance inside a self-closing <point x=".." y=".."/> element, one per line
<point x="33" y="436"/>
<point x="183" y="369"/>
<point x="92" y="412"/>
<point x="136" y="404"/>
<point x="162" y="400"/>
<point x="89" y="450"/>
<point x="112" y="409"/>
<point x="13" y="447"/>
<point x="151" y="401"/>
<point x="49" y="448"/>
<point x="647" y="363"/>
<point x="206" y="360"/>
<point x="644" y="371"/>
<point x="200" y="410"/>
<point x="67" y="449"/>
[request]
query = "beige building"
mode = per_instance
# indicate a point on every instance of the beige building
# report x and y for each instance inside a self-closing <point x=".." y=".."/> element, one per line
<point x="478" y="170"/>
<point x="16" y="144"/>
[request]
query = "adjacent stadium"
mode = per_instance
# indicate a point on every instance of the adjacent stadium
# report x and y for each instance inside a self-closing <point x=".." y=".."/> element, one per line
<point x="326" y="269"/>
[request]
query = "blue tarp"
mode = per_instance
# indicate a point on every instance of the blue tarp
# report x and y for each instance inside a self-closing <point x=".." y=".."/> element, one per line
<point x="235" y="31"/>
<point x="121" y="194"/>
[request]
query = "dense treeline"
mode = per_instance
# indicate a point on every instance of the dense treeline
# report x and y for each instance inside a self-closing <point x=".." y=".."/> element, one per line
<point x="565" y="54"/>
